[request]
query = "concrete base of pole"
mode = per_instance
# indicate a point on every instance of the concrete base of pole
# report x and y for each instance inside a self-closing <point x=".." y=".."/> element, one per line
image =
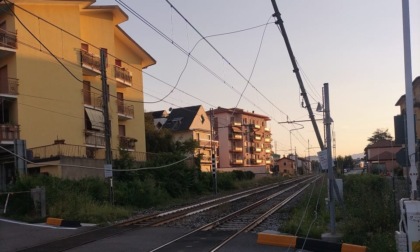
<point x="329" y="237"/>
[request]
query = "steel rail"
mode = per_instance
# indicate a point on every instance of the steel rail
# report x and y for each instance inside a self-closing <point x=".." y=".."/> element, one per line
<point x="226" y="218"/>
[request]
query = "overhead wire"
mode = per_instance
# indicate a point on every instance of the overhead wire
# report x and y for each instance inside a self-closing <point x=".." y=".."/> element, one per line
<point x="223" y="57"/>
<point x="100" y="168"/>
<point x="56" y="58"/>
<point x="228" y="62"/>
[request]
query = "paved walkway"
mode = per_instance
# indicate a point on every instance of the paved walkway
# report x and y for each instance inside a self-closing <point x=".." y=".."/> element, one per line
<point x="15" y="236"/>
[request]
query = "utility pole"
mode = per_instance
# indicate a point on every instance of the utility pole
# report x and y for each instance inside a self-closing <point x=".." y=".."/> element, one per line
<point x="331" y="178"/>
<point x="408" y="236"/>
<point x="107" y="126"/>
<point x="279" y="22"/>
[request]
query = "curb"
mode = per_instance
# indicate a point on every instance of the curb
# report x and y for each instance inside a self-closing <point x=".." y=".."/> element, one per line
<point x="276" y="239"/>
<point x="62" y="223"/>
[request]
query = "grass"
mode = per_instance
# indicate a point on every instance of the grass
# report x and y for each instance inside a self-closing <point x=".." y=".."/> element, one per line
<point x="367" y="217"/>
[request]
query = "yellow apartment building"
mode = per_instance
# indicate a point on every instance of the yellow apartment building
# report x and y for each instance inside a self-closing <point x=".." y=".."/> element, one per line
<point x="51" y="85"/>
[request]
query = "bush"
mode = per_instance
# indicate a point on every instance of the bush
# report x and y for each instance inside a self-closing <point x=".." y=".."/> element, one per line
<point x="369" y="210"/>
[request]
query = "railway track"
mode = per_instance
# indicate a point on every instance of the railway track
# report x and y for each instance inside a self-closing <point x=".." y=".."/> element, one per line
<point x="167" y="217"/>
<point x="240" y="221"/>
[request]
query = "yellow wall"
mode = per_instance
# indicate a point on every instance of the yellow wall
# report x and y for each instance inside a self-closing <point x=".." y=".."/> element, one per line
<point x="50" y="101"/>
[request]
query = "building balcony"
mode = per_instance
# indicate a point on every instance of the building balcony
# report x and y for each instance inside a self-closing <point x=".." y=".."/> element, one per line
<point x="127" y="143"/>
<point x="235" y="136"/>
<point x="258" y="138"/>
<point x="267" y="161"/>
<point x="125" y="112"/>
<point x="256" y="126"/>
<point x="267" y="140"/>
<point x="57" y="150"/>
<point x="8" y="42"/>
<point x="257" y="149"/>
<point x="123" y="77"/>
<point x="9" y="87"/>
<point x="236" y="124"/>
<point x="91" y="63"/>
<point x="205" y="159"/>
<point x="92" y="100"/>
<point x="266" y="129"/>
<point x="236" y="149"/>
<point x="206" y="143"/>
<point x="95" y="139"/>
<point x="9" y="132"/>
<point x="236" y="161"/>
<point x="256" y="161"/>
<point x="267" y="150"/>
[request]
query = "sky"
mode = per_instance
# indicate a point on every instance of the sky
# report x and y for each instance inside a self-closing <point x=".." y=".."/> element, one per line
<point x="354" y="46"/>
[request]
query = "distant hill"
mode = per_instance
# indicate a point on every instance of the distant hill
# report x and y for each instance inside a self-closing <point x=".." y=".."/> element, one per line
<point x="356" y="156"/>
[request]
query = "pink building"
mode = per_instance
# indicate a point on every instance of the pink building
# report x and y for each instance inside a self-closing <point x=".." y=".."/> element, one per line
<point x="244" y="140"/>
<point x="381" y="155"/>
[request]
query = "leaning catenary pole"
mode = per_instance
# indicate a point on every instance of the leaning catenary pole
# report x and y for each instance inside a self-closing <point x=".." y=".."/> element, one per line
<point x="279" y="22"/>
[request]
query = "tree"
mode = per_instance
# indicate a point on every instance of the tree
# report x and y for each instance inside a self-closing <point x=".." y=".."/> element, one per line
<point x="348" y="162"/>
<point x="379" y="134"/>
<point x="157" y="140"/>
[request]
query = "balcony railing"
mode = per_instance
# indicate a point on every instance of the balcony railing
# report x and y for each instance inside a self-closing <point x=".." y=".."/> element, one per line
<point x="235" y="136"/>
<point x="256" y="161"/>
<point x="257" y="137"/>
<point x="266" y="129"/>
<point x="122" y="75"/>
<point x="126" y="111"/>
<point x="267" y="139"/>
<point x="9" y="87"/>
<point x="204" y="143"/>
<point x="56" y="150"/>
<point x="267" y="150"/>
<point x="8" y="39"/>
<point x="237" y="161"/>
<point x="92" y="99"/>
<point x="9" y="132"/>
<point x="90" y="61"/>
<point x="94" y="138"/>
<point x="256" y="126"/>
<point x="127" y="143"/>
<point x="237" y="149"/>
<point x="236" y="124"/>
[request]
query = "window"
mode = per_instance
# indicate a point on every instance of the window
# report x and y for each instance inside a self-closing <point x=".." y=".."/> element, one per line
<point x="85" y="47"/>
<point x="118" y="62"/>
<point x="121" y="130"/>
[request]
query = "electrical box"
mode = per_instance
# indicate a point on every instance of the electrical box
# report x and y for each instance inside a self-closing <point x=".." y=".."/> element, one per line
<point x="412" y="208"/>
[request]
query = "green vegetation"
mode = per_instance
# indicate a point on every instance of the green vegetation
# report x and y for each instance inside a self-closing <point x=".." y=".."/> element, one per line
<point x="87" y="200"/>
<point x="367" y="217"/>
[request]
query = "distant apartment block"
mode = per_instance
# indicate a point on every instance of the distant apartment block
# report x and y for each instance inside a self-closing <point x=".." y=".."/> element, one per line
<point x="56" y="107"/>
<point x="244" y="139"/>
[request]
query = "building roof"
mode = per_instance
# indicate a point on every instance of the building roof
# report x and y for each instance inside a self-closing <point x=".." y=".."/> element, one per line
<point x="180" y="119"/>
<point x="158" y="114"/>
<point x="285" y="158"/>
<point x="220" y="110"/>
<point x="383" y="144"/>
